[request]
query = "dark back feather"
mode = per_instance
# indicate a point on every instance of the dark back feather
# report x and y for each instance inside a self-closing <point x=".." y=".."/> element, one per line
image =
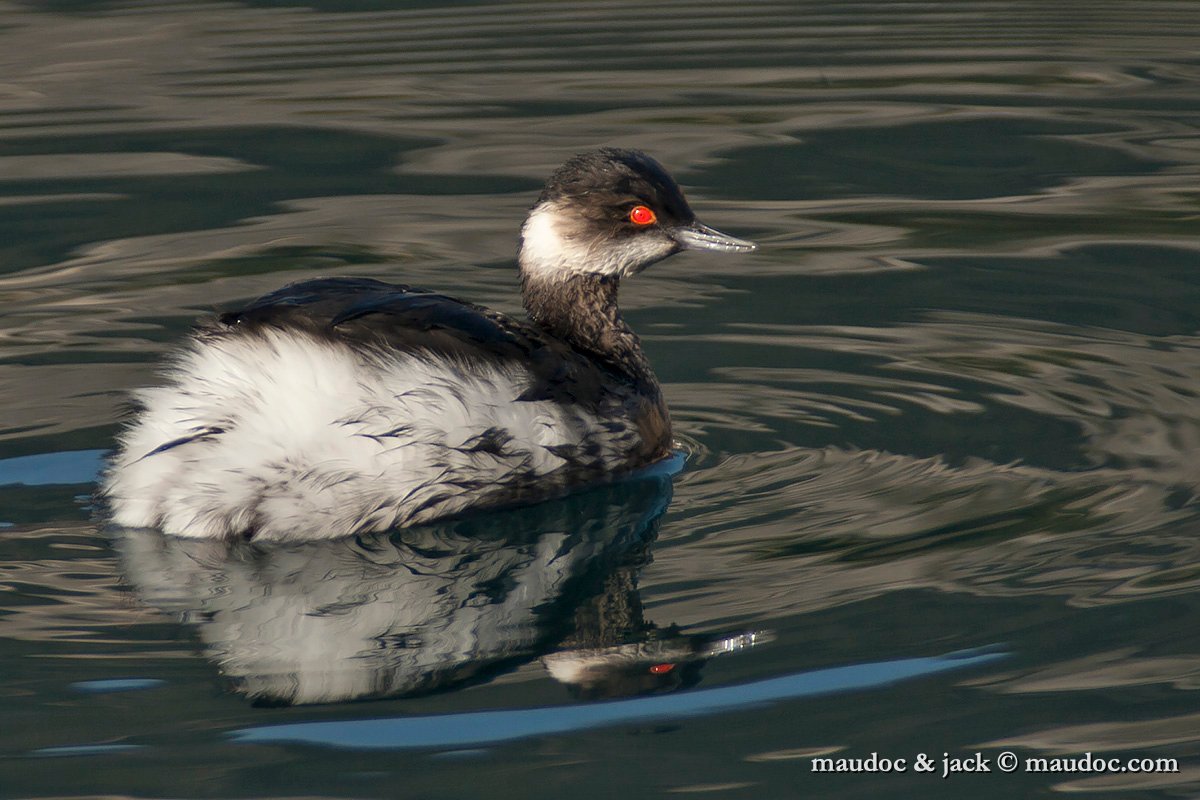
<point x="362" y="313"/>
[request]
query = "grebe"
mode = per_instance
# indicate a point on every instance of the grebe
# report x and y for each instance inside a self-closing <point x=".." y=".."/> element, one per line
<point x="344" y="405"/>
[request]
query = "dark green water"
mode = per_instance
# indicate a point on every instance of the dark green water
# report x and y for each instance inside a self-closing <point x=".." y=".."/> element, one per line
<point x="941" y="491"/>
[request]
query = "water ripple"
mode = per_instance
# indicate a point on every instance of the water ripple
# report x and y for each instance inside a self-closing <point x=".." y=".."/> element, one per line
<point x="963" y="365"/>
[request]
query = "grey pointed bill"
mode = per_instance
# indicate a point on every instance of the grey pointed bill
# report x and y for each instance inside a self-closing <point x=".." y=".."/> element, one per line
<point x="701" y="237"/>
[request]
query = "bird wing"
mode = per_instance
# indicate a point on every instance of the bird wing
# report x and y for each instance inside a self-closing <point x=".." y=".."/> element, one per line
<point x="398" y="318"/>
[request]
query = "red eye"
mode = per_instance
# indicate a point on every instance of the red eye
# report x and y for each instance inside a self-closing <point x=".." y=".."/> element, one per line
<point x="642" y="215"/>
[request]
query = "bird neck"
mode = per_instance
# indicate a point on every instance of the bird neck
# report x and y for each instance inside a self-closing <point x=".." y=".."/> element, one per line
<point x="581" y="308"/>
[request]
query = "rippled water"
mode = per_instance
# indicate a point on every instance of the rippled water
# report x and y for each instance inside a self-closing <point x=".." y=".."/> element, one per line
<point x="940" y="492"/>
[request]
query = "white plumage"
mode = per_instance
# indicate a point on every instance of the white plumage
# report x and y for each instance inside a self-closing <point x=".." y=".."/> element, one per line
<point x="312" y="439"/>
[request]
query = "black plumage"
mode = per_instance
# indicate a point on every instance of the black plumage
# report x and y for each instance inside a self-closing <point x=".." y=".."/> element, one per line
<point x="394" y="319"/>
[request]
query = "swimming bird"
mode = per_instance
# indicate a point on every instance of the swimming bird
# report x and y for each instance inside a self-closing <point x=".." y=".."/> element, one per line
<point x="339" y="405"/>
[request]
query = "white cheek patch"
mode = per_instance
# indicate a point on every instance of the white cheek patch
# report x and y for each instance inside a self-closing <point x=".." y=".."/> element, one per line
<point x="543" y="248"/>
<point x="548" y="250"/>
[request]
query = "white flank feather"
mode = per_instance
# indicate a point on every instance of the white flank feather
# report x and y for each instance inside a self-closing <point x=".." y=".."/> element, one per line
<point x="311" y="439"/>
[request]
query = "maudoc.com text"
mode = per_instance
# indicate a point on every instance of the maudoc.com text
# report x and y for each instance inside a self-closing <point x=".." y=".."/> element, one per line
<point x="947" y="765"/>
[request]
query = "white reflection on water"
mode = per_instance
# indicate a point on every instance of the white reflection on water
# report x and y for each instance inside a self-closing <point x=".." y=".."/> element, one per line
<point x="434" y="608"/>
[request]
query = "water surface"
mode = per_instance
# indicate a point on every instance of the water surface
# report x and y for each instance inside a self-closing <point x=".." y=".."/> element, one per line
<point x="940" y="492"/>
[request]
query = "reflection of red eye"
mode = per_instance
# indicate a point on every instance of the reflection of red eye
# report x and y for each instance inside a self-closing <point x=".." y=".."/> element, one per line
<point x="661" y="669"/>
<point x="641" y="215"/>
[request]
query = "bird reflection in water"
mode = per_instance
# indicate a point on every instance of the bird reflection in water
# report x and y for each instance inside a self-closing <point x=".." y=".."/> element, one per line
<point x="435" y="608"/>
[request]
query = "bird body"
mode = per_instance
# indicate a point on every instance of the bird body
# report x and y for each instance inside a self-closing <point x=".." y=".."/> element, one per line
<point x="340" y="405"/>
